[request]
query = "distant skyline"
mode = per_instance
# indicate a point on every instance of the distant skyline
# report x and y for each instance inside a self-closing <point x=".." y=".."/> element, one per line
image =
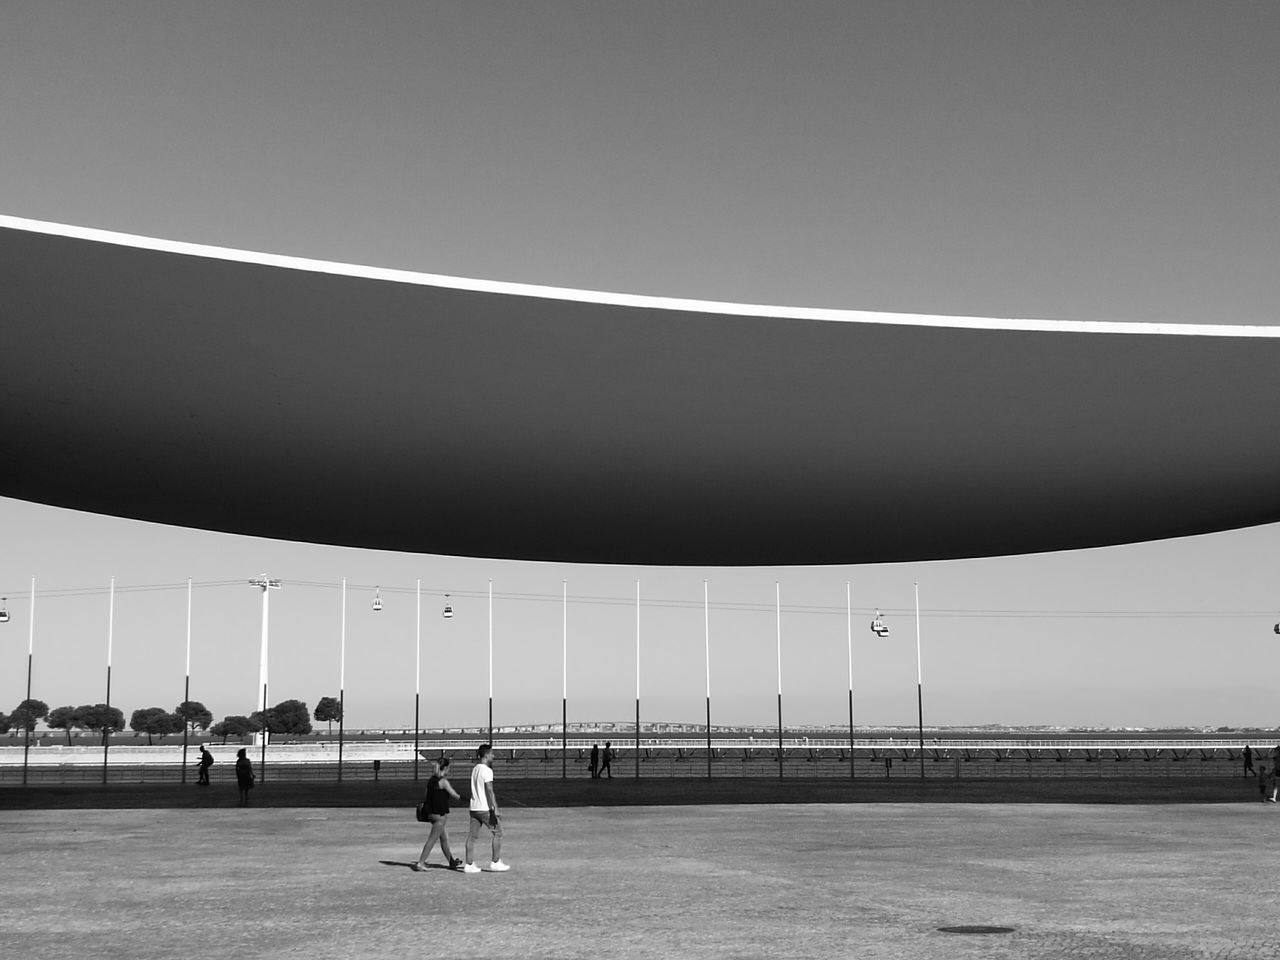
<point x="1083" y="161"/>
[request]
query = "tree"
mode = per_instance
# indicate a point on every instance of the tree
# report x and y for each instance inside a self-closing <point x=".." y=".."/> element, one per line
<point x="287" y="716"/>
<point x="64" y="718"/>
<point x="194" y="714"/>
<point x="6" y="723"/>
<point x="26" y="714"/>
<point x="155" y="721"/>
<point x="328" y="710"/>
<point x="101" y="717"/>
<point x="236" y="726"/>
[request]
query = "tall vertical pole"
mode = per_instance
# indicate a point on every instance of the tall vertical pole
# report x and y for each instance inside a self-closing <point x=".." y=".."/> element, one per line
<point x="262" y="673"/>
<point x="848" y="625"/>
<point x="919" y="682"/>
<point x="637" y="678"/>
<point x="417" y="676"/>
<point x="267" y="585"/>
<point x="777" y="592"/>
<point x="342" y="678"/>
<point x="706" y="648"/>
<point x="564" y="679"/>
<point x="186" y="687"/>
<point x="31" y="640"/>
<point x="111" y="625"/>
<point x="490" y="661"/>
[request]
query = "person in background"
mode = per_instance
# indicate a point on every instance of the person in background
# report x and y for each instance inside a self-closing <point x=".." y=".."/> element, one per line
<point x="1247" y="757"/>
<point x="593" y="765"/>
<point x="244" y="776"/>
<point x="606" y="759"/>
<point x="206" y="761"/>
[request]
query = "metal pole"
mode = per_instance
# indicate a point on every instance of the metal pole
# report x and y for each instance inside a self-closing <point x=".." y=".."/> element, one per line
<point x="706" y="646"/>
<point x="186" y="687"/>
<point x="342" y="676"/>
<point x="637" y="679"/>
<point x="262" y="762"/>
<point x="490" y="661"/>
<point x="417" y="676"/>
<point x="111" y="623"/>
<point x="31" y="639"/>
<point x="919" y="682"/>
<point x="564" y="679"/>
<point x="848" y="619"/>
<point x="777" y="588"/>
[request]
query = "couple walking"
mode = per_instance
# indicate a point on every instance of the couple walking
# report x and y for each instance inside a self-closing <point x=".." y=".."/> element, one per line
<point x="600" y="764"/>
<point x="483" y="812"/>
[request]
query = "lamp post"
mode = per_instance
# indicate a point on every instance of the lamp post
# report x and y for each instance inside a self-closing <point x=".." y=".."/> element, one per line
<point x="266" y="584"/>
<point x="417" y="673"/>
<point x="26" y="723"/>
<point x="490" y="661"/>
<point x="777" y="592"/>
<point x="706" y="649"/>
<point x="186" y="687"/>
<point x="848" y="619"/>
<point x="919" y="682"/>
<point x="637" y="679"/>
<point x="111" y="623"/>
<point x="342" y="677"/>
<point x="564" y="679"/>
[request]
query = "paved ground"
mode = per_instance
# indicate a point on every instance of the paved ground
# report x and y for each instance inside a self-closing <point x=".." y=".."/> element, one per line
<point x="872" y="880"/>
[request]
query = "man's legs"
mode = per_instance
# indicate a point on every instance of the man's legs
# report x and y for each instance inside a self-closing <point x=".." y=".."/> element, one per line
<point x="495" y="827"/>
<point x="473" y="832"/>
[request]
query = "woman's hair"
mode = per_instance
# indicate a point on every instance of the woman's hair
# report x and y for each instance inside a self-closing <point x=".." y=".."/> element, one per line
<point x="443" y="764"/>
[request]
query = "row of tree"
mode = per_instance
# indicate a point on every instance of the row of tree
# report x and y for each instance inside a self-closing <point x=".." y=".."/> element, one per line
<point x="286" y="717"/>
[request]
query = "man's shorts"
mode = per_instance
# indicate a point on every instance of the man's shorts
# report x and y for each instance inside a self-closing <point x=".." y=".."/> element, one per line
<point x="484" y="818"/>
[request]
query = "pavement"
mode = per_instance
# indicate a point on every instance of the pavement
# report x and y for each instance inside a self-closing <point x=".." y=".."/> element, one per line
<point x="1159" y="881"/>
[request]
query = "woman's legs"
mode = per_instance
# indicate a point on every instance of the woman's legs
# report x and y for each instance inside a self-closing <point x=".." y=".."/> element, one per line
<point x="437" y="828"/>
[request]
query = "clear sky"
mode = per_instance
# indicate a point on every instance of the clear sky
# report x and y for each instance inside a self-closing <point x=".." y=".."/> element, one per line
<point x="1062" y="161"/>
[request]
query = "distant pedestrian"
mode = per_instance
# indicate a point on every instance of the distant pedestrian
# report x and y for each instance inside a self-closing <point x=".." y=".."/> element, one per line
<point x="1247" y="756"/>
<point x="206" y="761"/>
<point x="1275" y="773"/>
<point x="593" y="765"/>
<point x="1262" y="781"/>
<point x="244" y="776"/>
<point x="484" y="812"/>
<point x="439" y="790"/>
<point x="606" y="759"/>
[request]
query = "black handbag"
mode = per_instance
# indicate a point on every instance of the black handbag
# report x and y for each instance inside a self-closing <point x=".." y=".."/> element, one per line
<point x="420" y="811"/>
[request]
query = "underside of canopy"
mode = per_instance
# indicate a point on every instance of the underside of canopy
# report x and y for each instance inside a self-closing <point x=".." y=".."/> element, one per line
<point x="332" y="404"/>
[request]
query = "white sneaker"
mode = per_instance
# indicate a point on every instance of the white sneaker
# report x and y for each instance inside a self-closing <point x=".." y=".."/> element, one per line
<point x="498" y="866"/>
<point x="470" y="868"/>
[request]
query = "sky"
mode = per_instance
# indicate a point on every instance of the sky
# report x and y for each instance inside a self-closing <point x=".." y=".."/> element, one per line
<point x="1094" y="161"/>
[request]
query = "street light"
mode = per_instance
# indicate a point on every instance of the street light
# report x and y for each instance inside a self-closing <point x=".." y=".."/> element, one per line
<point x="266" y="584"/>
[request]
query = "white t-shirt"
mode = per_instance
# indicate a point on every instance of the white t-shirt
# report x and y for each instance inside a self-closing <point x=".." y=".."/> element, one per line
<point x="480" y="775"/>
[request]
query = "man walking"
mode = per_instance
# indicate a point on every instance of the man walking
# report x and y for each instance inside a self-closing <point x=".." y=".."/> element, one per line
<point x="1247" y="756"/>
<point x="484" y="812"/>
<point x="606" y="759"/>
<point x="206" y="761"/>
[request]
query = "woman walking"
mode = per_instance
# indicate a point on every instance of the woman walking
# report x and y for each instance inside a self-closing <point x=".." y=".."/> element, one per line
<point x="439" y="791"/>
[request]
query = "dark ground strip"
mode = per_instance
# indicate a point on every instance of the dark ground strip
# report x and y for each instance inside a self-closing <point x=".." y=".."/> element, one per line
<point x="640" y="792"/>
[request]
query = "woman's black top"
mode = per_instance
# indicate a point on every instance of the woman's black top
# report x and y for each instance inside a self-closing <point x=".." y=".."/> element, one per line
<point x="437" y="797"/>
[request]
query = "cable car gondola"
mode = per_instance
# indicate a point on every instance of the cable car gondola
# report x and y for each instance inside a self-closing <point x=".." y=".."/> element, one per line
<point x="4" y="612"/>
<point x="377" y="599"/>
<point x="878" y="626"/>
<point x="448" y="610"/>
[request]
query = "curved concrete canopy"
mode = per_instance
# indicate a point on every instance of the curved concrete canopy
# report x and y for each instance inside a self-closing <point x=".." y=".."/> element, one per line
<point x="321" y="402"/>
